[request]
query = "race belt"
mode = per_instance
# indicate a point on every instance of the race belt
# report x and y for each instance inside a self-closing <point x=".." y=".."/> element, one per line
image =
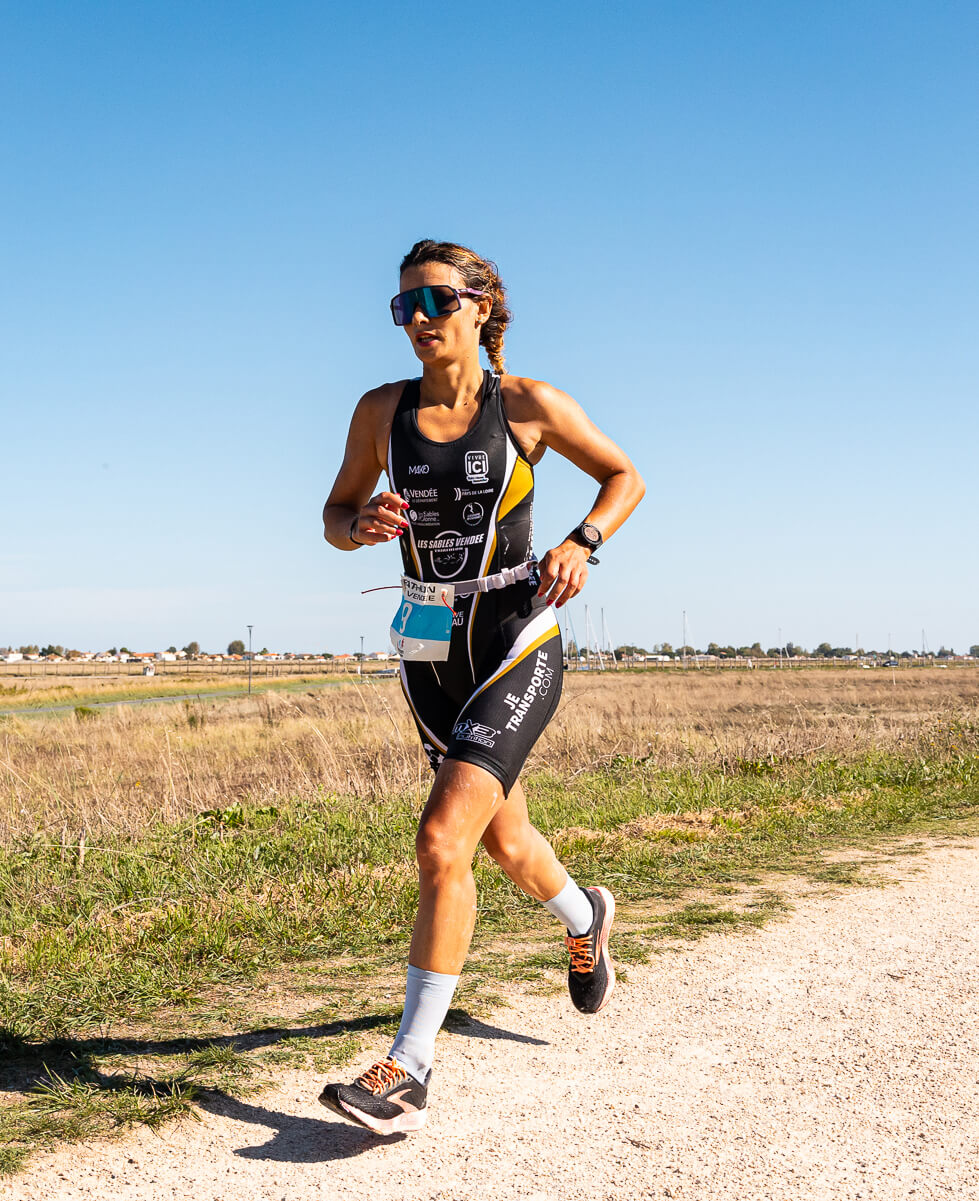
<point x="422" y="626"/>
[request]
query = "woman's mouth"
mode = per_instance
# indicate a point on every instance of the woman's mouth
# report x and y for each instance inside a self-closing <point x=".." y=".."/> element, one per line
<point x="425" y="340"/>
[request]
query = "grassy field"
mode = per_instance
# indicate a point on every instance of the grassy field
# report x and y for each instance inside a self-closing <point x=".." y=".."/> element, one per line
<point x="197" y="894"/>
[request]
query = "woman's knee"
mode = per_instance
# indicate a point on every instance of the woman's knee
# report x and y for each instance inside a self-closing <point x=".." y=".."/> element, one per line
<point x="440" y="854"/>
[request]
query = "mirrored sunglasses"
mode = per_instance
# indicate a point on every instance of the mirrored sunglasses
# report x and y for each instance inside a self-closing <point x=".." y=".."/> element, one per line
<point x="436" y="301"/>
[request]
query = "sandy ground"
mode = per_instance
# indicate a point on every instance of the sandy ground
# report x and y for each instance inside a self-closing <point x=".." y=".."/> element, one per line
<point x="834" y="1055"/>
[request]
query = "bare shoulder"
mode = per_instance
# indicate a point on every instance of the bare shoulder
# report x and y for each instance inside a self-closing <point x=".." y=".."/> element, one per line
<point x="534" y="409"/>
<point x="371" y="423"/>
<point x="529" y="399"/>
<point x="380" y="402"/>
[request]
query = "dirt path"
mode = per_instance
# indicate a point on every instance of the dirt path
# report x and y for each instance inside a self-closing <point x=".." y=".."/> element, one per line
<point x="835" y="1055"/>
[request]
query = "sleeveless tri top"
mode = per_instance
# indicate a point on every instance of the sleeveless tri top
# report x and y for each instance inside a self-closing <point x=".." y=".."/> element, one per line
<point x="471" y="500"/>
<point x="470" y="515"/>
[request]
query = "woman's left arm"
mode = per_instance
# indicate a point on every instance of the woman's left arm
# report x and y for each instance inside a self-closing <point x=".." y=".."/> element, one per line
<point x="565" y="427"/>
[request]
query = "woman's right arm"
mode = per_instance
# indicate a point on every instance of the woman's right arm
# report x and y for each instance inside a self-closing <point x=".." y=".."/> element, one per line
<point x="351" y="516"/>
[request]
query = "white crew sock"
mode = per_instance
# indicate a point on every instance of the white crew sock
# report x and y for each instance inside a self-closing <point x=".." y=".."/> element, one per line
<point x="572" y="908"/>
<point x="428" y="996"/>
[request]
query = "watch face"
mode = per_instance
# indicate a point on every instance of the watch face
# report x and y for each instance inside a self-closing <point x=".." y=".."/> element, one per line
<point x="591" y="533"/>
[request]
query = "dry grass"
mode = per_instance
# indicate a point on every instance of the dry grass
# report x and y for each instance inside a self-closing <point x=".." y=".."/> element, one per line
<point x="124" y="768"/>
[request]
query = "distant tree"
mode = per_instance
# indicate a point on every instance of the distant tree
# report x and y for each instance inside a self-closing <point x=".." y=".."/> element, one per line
<point x="124" y="650"/>
<point x="28" y="650"/>
<point x="775" y="652"/>
<point x="112" y="651"/>
<point x="665" y="648"/>
<point x="685" y="650"/>
<point x="973" y="650"/>
<point x="53" y="650"/>
<point x="192" y="649"/>
<point x="171" y="650"/>
<point x="629" y="650"/>
<point x="794" y="651"/>
<point x="236" y="647"/>
<point x="945" y="652"/>
<point x="823" y="651"/>
<point x="73" y="654"/>
<point x="264" y="650"/>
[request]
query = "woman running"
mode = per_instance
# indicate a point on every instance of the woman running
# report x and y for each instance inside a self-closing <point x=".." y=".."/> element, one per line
<point x="481" y="651"/>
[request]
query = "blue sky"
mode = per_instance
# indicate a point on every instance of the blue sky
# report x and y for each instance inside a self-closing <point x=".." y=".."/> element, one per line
<point x="743" y="235"/>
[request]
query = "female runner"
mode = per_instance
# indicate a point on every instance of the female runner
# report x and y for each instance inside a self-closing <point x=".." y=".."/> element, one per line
<point x="458" y="447"/>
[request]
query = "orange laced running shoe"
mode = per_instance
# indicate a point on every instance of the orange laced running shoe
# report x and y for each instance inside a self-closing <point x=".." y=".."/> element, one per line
<point x="591" y="976"/>
<point x="385" y="1099"/>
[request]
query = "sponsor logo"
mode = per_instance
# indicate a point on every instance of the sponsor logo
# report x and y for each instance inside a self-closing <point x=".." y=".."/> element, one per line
<point x="472" y="514"/>
<point x="477" y="466"/>
<point x="461" y="492"/>
<point x="474" y="731"/>
<point x="449" y="540"/>
<point x="540" y="684"/>
<point x="420" y="493"/>
<point x="418" y="469"/>
<point x="449" y="550"/>
<point x="417" y="517"/>
<point x="459" y="618"/>
<point x="449" y="553"/>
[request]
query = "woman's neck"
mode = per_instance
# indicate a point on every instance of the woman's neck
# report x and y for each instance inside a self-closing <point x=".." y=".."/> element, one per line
<point x="453" y="386"/>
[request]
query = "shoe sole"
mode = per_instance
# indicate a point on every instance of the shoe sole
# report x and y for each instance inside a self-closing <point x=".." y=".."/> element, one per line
<point x="404" y="1122"/>
<point x="603" y="943"/>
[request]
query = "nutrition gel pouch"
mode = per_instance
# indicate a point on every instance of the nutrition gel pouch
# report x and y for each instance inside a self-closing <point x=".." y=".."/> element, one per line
<point x="422" y="627"/>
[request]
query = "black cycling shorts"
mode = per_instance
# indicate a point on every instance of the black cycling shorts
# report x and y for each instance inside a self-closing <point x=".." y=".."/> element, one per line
<point x="491" y="715"/>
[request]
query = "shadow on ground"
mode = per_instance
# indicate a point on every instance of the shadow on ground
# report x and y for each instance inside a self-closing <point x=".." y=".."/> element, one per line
<point x="296" y="1139"/>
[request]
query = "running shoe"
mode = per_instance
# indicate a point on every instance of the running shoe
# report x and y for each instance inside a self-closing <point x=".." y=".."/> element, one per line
<point x="591" y="976"/>
<point x="385" y="1099"/>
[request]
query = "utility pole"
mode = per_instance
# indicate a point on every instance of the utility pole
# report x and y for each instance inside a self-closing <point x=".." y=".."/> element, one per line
<point x="360" y="665"/>
<point x="683" y="646"/>
<point x="249" y="658"/>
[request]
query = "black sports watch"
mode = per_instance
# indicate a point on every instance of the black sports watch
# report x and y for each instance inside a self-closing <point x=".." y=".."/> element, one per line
<point x="590" y="535"/>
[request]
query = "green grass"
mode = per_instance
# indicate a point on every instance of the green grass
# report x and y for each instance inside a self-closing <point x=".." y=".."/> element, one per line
<point x="186" y="931"/>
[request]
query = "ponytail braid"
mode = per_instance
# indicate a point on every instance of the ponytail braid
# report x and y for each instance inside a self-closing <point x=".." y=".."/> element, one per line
<point x="478" y="273"/>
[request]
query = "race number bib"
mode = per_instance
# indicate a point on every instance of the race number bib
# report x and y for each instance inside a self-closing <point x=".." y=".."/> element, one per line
<point x="422" y="627"/>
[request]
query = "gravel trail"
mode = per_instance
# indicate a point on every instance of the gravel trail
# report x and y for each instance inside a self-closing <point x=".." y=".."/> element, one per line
<point x="834" y="1055"/>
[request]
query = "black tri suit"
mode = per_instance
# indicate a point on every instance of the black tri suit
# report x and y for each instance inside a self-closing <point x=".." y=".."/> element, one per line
<point x="470" y="515"/>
